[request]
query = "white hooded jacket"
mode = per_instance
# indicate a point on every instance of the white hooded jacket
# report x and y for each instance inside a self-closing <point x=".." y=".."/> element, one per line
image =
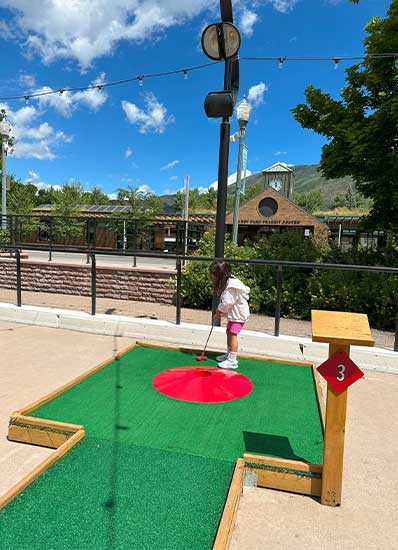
<point x="233" y="301"/>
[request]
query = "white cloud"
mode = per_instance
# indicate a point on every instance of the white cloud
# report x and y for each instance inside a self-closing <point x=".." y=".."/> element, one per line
<point x="33" y="141"/>
<point x="112" y="196"/>
<point x="33" y="175"/>
<point x="6" y="33"/>
<point x="145" y="188"/>
<point x="283" y="5"/>
<point x="34" y="180"/>
<point x="170" y="164"/>
<point x="128" y="152"/>
<point x="247" y="21"/>
<point x="84" y="30"/>
<point x="67" y="102"/>
<point x="279" y="153"/>
<point x="256" y="94"/>
<point x="87" y="29"/>
<point x="28" y="81"/>
<point x="153" y="118"/>
<point x="173" y="178"/>
<point x="231" y="180"/>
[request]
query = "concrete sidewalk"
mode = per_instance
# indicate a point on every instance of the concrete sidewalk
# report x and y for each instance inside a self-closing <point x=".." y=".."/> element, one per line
<point x="36" y="360"/>
<point x="260" y="323"/>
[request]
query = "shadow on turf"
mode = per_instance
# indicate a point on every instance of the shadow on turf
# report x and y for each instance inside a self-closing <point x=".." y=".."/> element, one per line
<point x="267" y="444"/>
<point x="111" y="503"/>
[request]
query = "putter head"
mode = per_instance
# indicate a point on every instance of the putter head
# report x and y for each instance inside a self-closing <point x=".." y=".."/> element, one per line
<point x="201" y="358"/>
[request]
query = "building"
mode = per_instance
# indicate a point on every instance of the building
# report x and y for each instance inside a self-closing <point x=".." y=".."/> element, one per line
<point x="108" y="227"/>
<point x="346" y="232"/>
<point x="270" y="212"/>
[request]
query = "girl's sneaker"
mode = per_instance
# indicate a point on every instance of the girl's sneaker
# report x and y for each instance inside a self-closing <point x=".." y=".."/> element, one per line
<point x="229" y="363"/>
<point x="222" y="357"/>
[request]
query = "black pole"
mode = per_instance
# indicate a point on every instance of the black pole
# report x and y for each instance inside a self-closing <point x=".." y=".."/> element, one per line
<point x="19" y="285"/>
<point x="178" y="294"/>
<point x="278" y="300"/>
<point x="93" y="284"/>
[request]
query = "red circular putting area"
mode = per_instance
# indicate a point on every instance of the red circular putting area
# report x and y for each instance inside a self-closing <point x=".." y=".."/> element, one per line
<point x="202" y="384"/>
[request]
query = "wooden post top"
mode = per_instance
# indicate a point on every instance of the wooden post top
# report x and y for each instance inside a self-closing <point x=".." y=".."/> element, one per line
<point x="337" y="327"/>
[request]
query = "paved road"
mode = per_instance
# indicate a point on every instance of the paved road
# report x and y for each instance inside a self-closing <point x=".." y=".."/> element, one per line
<point x="160" y="263"/>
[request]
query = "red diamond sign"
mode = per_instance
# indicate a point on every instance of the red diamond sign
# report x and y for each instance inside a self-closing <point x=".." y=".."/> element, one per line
<point x="340" y="371"/>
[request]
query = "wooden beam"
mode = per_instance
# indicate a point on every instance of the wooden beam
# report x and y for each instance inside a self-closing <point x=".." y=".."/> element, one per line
<point x="340" y="327"/>
<point x="320" y="396"/>
<point x="227" y="521"/>
<point x="333" y="454"/>
<point x="286" y="475"/>
<point x="37" y="431"/>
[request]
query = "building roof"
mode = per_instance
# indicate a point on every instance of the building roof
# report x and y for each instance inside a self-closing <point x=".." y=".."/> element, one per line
<point x="104" y="209"/>
<point x="278" y="167"/>
<point x="288" y="213"/>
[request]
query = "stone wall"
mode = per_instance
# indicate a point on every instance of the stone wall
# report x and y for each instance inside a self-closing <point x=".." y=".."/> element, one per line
<point x="120" y="283"/>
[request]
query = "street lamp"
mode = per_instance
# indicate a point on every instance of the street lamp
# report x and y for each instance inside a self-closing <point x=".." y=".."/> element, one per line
<point x="5" y="130"/>
<point x="221" y="41"/>
<point x="243" y="115"/>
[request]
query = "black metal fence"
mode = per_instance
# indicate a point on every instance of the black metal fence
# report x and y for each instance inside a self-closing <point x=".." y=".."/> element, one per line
<point x="106" y="232"/>
<point x="181" y="259"/>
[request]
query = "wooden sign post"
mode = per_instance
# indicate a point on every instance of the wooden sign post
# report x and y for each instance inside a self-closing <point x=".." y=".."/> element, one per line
<point x="340" y="330"/>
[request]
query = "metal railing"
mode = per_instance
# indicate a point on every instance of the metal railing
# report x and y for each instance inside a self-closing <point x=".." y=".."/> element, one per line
<point x="180" y="261"/>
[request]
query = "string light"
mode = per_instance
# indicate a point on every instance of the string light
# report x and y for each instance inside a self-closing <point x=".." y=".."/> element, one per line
<point x="185" y="72"/>
<point x="336" y="63"/>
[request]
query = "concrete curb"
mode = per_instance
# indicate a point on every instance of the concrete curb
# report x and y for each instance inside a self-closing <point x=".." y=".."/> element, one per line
<point x="194" y="335"/>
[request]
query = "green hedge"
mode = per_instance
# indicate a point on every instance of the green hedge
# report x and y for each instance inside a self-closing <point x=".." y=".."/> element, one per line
<point x="375" y="294"/>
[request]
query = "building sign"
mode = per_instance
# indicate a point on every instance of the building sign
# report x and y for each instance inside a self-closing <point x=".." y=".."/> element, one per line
<point x="269" y="222"/>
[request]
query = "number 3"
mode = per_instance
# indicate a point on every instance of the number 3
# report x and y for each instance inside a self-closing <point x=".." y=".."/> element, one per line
<point x="341" y="375"/>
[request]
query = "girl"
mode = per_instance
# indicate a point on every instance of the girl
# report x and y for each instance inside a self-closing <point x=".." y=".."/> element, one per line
<point x="233" y="305"/>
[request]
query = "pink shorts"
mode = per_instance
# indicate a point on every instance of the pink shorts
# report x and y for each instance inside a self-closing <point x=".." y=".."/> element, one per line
<point x="234" y="327"/>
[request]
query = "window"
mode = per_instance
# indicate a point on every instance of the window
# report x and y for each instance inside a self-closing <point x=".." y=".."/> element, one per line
<point x="268" y="207"/>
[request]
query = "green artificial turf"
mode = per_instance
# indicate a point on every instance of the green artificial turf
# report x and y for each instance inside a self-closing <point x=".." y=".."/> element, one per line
<point x="154" y="472"/>
<point x="110" y="495"/>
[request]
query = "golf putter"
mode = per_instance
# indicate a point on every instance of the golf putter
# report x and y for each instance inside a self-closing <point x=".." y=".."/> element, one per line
<point x="203" y="356"/>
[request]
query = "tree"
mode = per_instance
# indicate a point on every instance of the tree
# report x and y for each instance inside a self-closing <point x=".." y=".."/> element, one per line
<point x="95" y="196"/>
<point x="143" y="205"/>
<point x="311" y="201"/>
<point x="179" y="202"/>
<point x="46" y="196"/>
<point x="362" y="127"/>
<point x="68" y="199"/>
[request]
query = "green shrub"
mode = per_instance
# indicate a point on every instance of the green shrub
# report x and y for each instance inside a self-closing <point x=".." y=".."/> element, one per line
<point x="375" y="294"/>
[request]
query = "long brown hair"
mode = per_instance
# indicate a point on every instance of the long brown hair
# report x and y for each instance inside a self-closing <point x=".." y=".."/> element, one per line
<point x="221" y="273"/>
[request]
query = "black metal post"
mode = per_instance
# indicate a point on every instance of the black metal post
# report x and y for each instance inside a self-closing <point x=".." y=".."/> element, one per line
<point x="93" y="284"/>
<point x="19" y="283"/>
<point x="278" y="300"/>
<point x="178" y="294"/>
<point x="396" y="334"/>
<point x="50" y="252"/>
<point x="135" y="242"/>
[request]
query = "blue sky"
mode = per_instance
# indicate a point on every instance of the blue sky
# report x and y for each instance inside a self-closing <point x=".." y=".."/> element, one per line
<point x="151" y="136"/>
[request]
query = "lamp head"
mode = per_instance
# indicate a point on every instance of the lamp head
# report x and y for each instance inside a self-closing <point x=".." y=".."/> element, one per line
<point x="243" y="113"/>
<point x="221" y="41"/>
<point x="5" y="129"/>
